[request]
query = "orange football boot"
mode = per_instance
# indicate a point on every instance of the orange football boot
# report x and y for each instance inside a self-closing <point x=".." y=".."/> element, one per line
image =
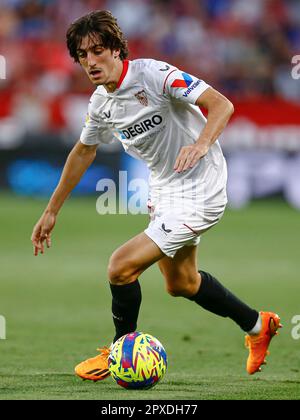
<point x="258" y="344"/>
<point x="95" y="368"/>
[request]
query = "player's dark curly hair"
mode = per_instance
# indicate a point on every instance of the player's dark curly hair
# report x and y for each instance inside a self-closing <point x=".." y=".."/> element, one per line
<point x="99" y="25"/>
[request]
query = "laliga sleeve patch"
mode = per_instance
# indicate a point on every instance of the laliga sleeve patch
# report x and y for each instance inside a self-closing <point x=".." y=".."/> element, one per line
<point x="183" y="83"/>
<point x="184" y="86"/>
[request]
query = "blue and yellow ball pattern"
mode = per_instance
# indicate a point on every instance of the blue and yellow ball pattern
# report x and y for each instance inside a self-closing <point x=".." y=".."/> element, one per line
<point x="137" y="361"/>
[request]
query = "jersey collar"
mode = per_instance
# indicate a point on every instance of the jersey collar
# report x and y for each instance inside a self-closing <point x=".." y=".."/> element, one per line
<point x="124" y="72"/>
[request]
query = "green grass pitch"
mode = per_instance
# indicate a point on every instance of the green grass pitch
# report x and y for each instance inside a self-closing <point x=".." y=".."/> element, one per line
<point x="57" y="306"/>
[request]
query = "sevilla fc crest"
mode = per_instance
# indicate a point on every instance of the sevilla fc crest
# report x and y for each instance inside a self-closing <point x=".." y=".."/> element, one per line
<point x="141" y="96"/>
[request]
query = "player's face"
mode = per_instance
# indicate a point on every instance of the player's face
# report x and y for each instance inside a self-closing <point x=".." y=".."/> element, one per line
<point x="101" y="64"/>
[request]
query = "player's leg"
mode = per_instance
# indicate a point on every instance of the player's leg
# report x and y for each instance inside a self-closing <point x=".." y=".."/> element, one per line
<point x="125" y="265"/>
<point x="181" y="272"/>
<point x="183" y="279"/>
<point x="132" y="258"/>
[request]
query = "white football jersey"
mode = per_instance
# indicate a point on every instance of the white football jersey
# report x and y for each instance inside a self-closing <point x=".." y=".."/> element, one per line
<point x="153" y="114"/>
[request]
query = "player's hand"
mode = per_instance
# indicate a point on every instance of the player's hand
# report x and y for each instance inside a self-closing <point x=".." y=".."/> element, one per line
<point x="189" y="156"/>
<point x="42" y="232"/>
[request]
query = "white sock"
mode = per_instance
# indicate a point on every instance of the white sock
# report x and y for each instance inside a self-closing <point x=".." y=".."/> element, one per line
<point x="257" y="327"/>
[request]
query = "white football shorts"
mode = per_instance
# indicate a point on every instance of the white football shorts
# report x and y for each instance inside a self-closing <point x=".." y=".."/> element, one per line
<point x="171" y="229"/>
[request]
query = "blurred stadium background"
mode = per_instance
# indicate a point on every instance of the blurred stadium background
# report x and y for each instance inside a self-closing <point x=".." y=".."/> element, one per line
<point x="243" y="48"/>
<point x="55" y="306"/>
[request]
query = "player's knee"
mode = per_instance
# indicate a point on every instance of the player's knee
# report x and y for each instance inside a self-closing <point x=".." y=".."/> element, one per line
<point x="174" y="291"/>
<point x="180" y="291"/>
<point x="116" y="273"/>
<point x="182" y="287"/>
<point x="119" y="271"/>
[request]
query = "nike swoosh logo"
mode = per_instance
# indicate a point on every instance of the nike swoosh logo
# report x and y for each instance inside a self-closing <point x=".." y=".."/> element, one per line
<point x="165" y="69"/>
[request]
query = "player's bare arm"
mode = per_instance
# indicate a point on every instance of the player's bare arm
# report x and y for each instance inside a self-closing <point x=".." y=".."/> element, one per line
<point x="79" y="159"/>
<point x="219" y="110"/>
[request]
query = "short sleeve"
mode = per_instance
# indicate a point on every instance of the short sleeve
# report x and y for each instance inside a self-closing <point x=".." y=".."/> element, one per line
<point x="184" y="86"/>
<point x="95" y="131"/>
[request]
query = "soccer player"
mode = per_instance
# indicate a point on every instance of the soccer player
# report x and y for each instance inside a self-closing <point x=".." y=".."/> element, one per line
<point x="152" y="108"/>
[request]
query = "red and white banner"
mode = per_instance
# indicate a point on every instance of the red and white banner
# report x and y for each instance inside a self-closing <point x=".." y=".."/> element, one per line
<point x="271" y="124"/>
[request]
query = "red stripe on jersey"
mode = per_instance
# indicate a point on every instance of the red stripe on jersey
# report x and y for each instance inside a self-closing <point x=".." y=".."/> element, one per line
<point x="124" y="72"/>
<point x="167" y="79"/>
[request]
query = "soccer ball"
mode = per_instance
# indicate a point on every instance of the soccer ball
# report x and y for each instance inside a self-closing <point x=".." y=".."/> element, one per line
<point x="137" y="361"/>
